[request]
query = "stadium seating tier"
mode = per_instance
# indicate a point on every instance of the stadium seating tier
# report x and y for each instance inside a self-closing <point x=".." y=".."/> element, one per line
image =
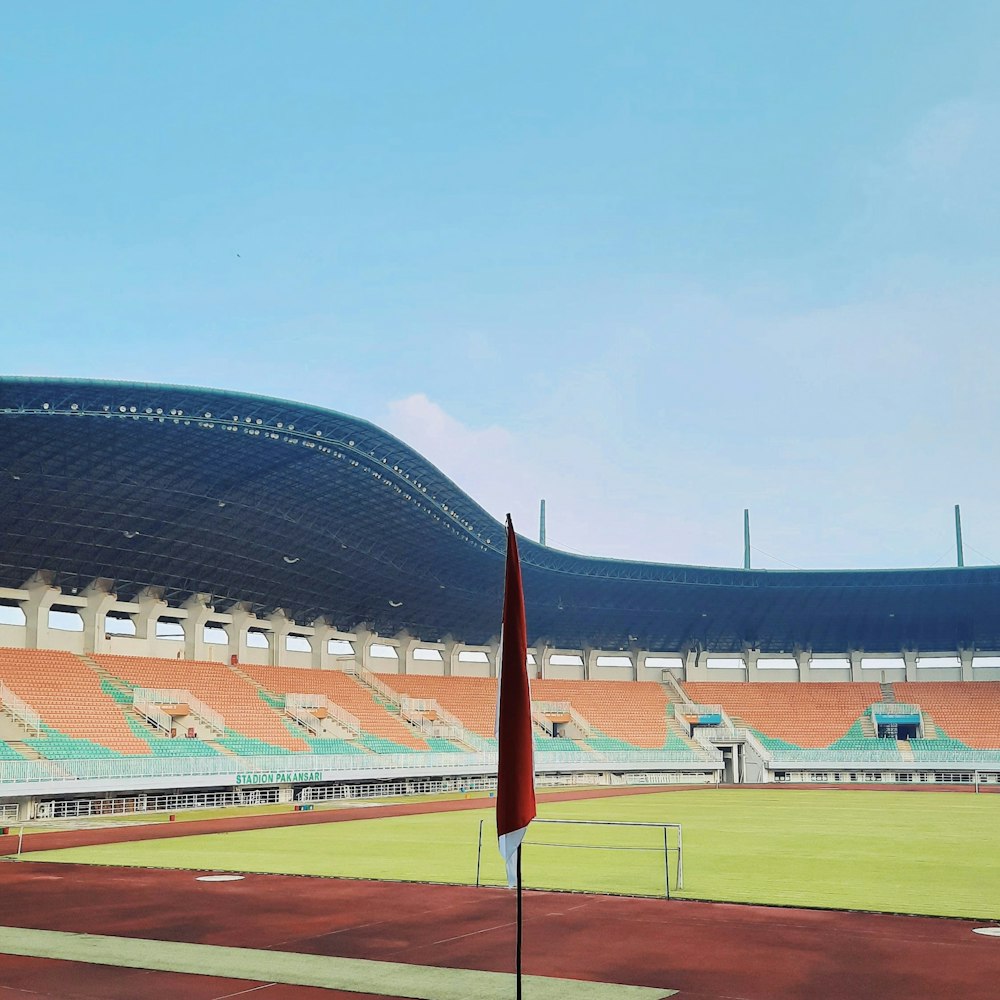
<point x="807" y="715"/>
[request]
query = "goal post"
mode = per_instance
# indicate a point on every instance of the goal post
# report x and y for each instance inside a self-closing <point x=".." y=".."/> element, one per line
<point x="614" y="837"/>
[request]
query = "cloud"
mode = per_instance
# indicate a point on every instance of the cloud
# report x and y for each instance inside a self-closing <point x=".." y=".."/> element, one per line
<point x="933" y="191"/>
<point x="596" y="503"/>
<point x="947" y="135"/>
<point x="482" y="461"/>
<point x="850" y="430"/>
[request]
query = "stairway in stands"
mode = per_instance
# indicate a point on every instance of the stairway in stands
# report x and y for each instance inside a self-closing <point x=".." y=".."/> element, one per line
<point x="387" y="696"/>
<point x="256" y="685"/>
<point x="674" y="728"/>
<point x="136" y="719"/>
<point x="930" y="729"/>
<point x="272" y="699"/>
<point x="28" y="753"/>
<point x="889" y="697"/>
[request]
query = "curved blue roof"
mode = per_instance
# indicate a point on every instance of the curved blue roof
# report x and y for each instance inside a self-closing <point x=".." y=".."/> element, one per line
<point x="286" y="505"/>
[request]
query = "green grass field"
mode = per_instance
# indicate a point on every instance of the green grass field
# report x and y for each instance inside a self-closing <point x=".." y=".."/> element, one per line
<point x="891" y="851"/>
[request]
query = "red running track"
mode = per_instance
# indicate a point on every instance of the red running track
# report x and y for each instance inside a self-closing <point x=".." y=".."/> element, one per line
<point x="708" y="951"/>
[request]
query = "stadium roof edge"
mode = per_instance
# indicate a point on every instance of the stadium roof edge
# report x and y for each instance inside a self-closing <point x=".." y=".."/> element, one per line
<point x="356" y="524"/>
<point x="258" y="398"/>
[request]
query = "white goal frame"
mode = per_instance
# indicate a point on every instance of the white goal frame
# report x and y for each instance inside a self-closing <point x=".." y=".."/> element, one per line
<point x="667" y="849"/>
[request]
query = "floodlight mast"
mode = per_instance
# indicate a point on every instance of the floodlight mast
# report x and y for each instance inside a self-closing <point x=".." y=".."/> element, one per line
<point x="541" y="523"/>
<point x="746" y="538"/>
<point x="958" y="536"/>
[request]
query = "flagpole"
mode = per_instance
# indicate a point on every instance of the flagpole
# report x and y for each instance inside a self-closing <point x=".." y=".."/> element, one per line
<point x="517" y="956"/>
<point x="515" y="747"/>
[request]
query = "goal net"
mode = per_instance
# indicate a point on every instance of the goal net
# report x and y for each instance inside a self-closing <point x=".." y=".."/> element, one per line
<point x="580" y="855"/>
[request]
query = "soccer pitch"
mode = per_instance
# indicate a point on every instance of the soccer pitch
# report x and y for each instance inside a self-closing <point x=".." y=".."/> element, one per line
<point x="891" y="851"/>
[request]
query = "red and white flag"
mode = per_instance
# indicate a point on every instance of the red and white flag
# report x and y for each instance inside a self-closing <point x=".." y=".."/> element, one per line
<point x="516" y="764"/>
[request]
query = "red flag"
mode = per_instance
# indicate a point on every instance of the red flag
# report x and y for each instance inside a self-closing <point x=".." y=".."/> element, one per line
<point x="516" y="764"/>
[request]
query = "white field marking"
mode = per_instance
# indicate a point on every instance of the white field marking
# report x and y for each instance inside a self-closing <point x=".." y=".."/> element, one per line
<point x="336" y="930"/>
<point x="569" y="909"/>
<point x="219" y="878"/>
<point x="987" y="931"/>
<point x="253" y="989"/>
<point x="483" y="930"/>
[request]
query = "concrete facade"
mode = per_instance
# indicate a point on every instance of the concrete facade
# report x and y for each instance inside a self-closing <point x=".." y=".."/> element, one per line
<point x="97" y="619"/>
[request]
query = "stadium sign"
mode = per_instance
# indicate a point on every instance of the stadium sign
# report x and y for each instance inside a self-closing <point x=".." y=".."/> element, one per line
<point x="276" y="777"/>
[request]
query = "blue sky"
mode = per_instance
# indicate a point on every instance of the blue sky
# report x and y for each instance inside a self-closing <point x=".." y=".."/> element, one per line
<point x="656" y="262"/>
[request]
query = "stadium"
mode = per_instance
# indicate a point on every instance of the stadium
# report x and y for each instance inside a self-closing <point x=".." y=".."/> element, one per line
<point x="226" y="613"/>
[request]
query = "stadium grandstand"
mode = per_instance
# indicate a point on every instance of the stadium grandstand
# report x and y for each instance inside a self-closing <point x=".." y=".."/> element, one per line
<point x="209" y="597"/>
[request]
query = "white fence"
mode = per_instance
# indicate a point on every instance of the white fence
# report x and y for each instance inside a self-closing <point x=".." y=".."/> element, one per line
<point x="31" y="777"/>
<point x="128" y="805"/>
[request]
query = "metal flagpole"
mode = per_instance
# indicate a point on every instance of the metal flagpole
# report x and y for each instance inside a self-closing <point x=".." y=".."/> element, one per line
<point x="517" y="956"/>
<point x="479" y="853"/>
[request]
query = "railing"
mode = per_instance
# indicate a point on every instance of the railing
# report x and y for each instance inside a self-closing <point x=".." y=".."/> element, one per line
<point x="783" y="757"/>
<point x="685" y="708"/>
<point x="180" y="696"/>
<point x="456" y="729"/>
<point x="410" y="711"/>
<point x="153" y="714"/>
<point x="972" y="757"/>
<point x="551" y="707"/>
<point x="375" y="683"/>
<point x="341" y="716"/>
<point x="319" y="768"/>
<point x="893" y="708"/>
<point x="379" y="686"/>
<point x="298" y="768"/>
<point x="543" y="708"/>
<point x="682" y="709"/>
<point x="304" y="718"/>
<point x="21" y="710"/>
<point x="673" y="684"/>
<point x="725" y="734"/>
<point x="544" y="723"/>
<point x="415" y="710"/>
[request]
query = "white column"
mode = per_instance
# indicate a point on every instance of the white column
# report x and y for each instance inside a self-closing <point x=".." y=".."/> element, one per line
<point x="151" y="607"/>
<point x="281" y="625"/>
<point x="493" y="655"/>
<point x="405" y="651"/>
<point x="42" y="594"/>
<point x="910" y="660"/>
<point x="802" y="657"/>
<point x="199" y="613"/>
<point x="243" y="620"/>
<point x="323" y="632"/>
<point x="449" y="656"/>
<point x="542" y="654"/>
<point x="694" y="665"/>
<point x="364" y="638"/>
<point x="965" y="656"/>
<point x="99" y="600"/>
<point x="856" y="655"/>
